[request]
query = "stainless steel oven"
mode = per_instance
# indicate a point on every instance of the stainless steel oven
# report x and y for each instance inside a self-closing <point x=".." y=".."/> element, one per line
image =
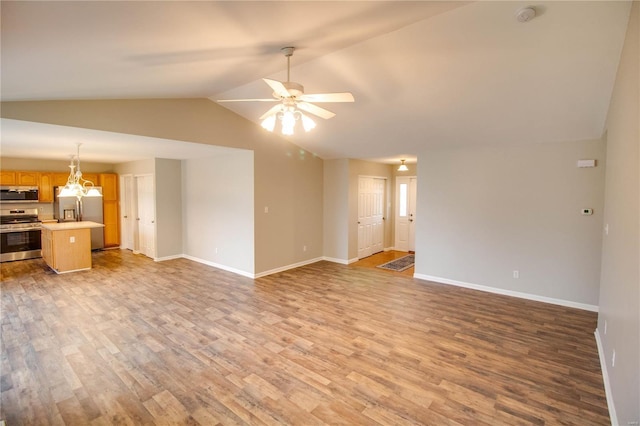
<point x="20" y="234"/>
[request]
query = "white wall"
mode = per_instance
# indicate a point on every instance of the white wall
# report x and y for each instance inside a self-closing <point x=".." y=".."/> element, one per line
<point x="619" y="318"/>
<point x="218" y="210"/>
<point x="485" y="212"/>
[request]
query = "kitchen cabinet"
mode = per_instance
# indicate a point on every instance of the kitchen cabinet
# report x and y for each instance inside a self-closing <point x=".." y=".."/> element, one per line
<point x="45" y="193"/>
<point x="66" y="247"/>
<point x="59" y="179"/>
<point x="28" y="178"/>
<point x="93" y="177"/>
<point x="7" y="177"/>
<point x="109" y="184"/>
<point x="12" y="177"/>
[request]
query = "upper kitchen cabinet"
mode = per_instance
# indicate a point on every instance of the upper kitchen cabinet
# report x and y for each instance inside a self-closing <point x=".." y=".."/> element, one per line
<point x="9" y="177"/>
<point x="45" y="193"/>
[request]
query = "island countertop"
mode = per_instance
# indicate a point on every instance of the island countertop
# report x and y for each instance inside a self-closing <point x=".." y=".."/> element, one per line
<point x="64" y="226"/>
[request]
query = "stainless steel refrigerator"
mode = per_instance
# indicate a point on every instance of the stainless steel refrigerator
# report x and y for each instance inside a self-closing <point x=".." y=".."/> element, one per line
<point x="69" y="209"/>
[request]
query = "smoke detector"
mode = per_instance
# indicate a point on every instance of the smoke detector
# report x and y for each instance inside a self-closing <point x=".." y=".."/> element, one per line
<point x="525" y="14"/>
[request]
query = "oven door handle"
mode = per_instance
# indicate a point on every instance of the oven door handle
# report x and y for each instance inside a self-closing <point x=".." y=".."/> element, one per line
<point x="7" y="231"/>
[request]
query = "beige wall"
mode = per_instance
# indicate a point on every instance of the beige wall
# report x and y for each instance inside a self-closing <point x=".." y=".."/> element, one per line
<point x="218" y="210"/>
<point x="485" y="212"/>
<point x="287" y="179"/>
<point x="336" y="210"/>
<point x="58" y="166"/>
<point x="619" y="318"/>
<point x="168" y="184"/>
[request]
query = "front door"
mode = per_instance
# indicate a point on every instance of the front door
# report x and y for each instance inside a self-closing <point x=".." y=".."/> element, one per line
<point x="405" y="229"/>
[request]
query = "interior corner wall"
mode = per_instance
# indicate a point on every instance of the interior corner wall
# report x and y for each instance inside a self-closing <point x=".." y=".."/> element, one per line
<point x="218" y="210"/>
<point x="168" y="210"/>
<point x="335" y="210"/>
<point x="619" y="316"/>
<point x="485" y="212"/>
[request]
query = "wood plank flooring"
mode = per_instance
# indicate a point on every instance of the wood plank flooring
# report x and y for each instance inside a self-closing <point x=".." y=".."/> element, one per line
<point x="377" y="259"/>
<point x="140" y="342"/>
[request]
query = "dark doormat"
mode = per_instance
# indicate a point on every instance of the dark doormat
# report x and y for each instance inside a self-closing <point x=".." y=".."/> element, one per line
<point x="400" y="264"/>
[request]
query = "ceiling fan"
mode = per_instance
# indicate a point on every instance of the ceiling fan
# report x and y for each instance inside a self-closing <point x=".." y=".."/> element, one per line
<point x="292" y="101"/>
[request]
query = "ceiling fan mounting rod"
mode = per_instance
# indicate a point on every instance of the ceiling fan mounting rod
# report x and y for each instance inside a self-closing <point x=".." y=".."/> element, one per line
<point x="288" y="52"/>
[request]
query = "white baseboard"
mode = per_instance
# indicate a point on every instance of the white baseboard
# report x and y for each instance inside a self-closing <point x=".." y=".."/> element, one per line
<point x="511" y="293"/>
<point x="162" y="259"/>
<point x="336" y="260"/>
<point x="605" y="377"/>
<point x="286" y="268"/>
<point x="219" y="266"/>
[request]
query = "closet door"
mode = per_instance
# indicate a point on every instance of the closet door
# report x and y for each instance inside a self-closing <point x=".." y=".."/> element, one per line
<point x="127" y="212"/>
<point x="370" y="215"/>
<point x="145" y="215"/>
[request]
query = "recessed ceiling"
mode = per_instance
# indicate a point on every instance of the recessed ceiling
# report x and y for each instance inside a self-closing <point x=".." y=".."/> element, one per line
<point x="424" y="74"/>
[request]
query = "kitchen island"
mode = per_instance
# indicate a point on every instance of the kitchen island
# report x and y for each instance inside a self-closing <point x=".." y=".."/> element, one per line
<point x="66" y="246"/>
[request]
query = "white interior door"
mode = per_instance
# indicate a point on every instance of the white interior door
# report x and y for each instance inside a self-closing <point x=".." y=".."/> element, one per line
<point x="126" y="210"/>
<point x="405" y="231"/>
<point x="370" y="215"/>
<point x="145" y="215"/>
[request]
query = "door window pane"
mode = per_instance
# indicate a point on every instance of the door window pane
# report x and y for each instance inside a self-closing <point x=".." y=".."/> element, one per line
<point x="403" y="200"/>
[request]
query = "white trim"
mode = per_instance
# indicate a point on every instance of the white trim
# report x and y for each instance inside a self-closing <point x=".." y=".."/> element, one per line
<point x="605" y="377"/>
<point x="162" y="259"/>
<point x="217" y="265"/>
<point x="511" y="293"/>
<point x="354" y="260"/>
<point x="335" y="260"/>
<point x="286" y="268"/>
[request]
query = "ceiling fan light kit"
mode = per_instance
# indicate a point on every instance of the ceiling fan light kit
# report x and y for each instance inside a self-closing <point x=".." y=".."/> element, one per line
<point x="292" y="101"/>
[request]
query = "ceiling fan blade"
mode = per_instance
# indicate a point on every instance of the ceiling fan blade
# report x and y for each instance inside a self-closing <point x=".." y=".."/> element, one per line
<point x="328" y="97"/>
<point x="271" y="111"/>
<point x="278" y="88"/>
<point x="247" y="100"/>
<point x="315" y="110"/>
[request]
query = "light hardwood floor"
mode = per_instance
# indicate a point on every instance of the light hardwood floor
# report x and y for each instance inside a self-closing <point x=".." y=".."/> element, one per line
<point x="140" y="342"/>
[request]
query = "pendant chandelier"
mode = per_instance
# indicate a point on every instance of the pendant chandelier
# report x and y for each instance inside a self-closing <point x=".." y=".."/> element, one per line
<point x="76" y="185"/>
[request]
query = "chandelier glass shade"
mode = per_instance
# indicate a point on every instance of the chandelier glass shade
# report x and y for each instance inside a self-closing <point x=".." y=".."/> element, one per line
<point x="288" y="116"/>
<point x="76" y="185"/>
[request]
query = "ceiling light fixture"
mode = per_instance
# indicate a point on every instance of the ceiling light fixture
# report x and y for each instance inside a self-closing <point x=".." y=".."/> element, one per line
<point x="525" y="14"/>
<point x="403" y="167"/>
<point x="288" y="116"/>
<point x="76" y="185"/>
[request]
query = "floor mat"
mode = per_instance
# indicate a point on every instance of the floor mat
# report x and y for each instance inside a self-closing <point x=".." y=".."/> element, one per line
<point x="400" y="264"/>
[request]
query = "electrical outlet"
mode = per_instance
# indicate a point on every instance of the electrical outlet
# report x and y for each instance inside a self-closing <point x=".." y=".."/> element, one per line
<point x="516" y="274"/>
<point x="304" y="248"/>
<point x="216" y="250"/>
<point x="613" y="359"/>
<point x="266" y="209"/>
<point x="72" y="239"/>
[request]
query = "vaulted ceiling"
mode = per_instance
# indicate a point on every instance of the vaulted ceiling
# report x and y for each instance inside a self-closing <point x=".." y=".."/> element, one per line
<point x="423" y="73"/>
